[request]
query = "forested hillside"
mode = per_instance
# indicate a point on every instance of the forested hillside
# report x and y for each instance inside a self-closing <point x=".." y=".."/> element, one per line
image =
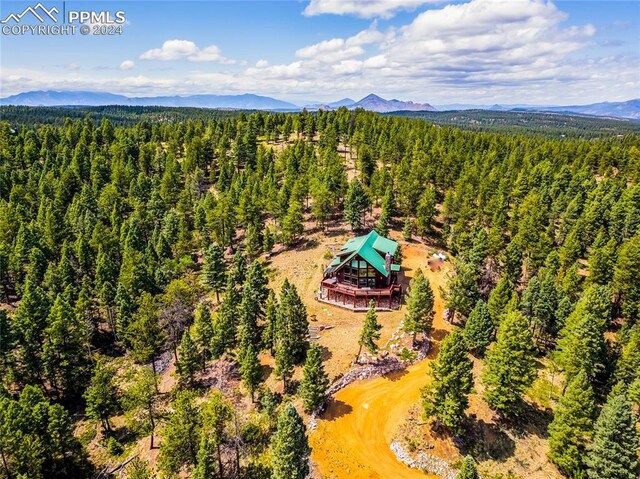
<point x="123" y="247"/>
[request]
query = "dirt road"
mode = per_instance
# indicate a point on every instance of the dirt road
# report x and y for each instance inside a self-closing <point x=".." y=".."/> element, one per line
<point x="353" y="438"/>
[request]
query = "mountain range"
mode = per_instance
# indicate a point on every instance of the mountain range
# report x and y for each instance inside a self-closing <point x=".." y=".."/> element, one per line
<point x="627" y="109"/>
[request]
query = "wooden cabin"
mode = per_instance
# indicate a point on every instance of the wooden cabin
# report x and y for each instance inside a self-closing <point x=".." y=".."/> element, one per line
<point x="363" y="270"/>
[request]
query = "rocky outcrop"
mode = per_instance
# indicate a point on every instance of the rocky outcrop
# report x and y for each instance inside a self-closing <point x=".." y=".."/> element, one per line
<point x="424" y="461"/>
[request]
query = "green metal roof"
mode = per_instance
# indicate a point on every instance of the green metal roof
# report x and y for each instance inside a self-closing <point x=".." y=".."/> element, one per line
<point x="372" y="248"/>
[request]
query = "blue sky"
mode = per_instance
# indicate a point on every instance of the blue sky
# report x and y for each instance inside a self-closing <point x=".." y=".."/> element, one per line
<point x="473" y="51"/>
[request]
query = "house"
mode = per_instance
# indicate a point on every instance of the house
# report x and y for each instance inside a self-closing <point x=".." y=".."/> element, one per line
<point x="363" y="270"/>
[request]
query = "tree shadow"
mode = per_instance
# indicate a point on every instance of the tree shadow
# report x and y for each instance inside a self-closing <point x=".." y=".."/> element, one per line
<point x="306" y="245"/>
<point x="266" y="370"/>
<point x="325" y="352"/>
<point x="336" y="409"/>
<point x="485" y="441"/>
<point x="396" y="375"/>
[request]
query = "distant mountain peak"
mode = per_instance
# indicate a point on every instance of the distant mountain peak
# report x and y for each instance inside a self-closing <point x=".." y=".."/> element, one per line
<point x="373" y="102"/>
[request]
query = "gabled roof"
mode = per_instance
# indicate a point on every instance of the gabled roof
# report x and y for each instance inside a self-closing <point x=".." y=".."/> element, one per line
<point x="372" y="248"/>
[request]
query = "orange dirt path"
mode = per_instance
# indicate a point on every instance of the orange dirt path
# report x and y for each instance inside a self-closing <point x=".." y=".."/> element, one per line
<point x="353" y="437"/>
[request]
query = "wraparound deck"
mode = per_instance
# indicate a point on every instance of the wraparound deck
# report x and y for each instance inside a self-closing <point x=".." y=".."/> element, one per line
<point x="357" y="299"/>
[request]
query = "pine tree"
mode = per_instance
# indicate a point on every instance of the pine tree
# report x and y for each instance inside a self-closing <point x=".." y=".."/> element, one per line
<point x="214" y="269"/>
<point x="613" y="453"/>
<point x="238" y="271"/>
<point x="142" y="403"/>
<point x="626" y="278"/>
<point x="468" y="469"/>
<point x="572" y="425"/>
<point x="102" y="396"/>
<point x="205" y="460"/>
<point x="225" y="322"/>
<point x="355" y="204"/>
<point x="202" y="332"/>
<point x="446" y="397"/>
<point x="29" y="323"/>
<point x="426" y="212"/>
<point x="64" y="357"/>
<point x="270" y="323"/>
<point x="420" y="301"/>
<point x="189" y="361"/>
<point x="217" y="413"/>
<point x="145" y="335"/>
<point x="181" y="435"/>
<point x="250" y="370"/>
<point x="293" y="323"/>
<point x="509" y="366"/>
<point x="290" y="446"/>
<point x="292" y="223"/>
<point x="407" y="229"/>
<point x="284" y="359"/>
<point x="582" y="345"/>
<point x="479" y="329"/>
<point x="463" y="293"/>
<point x="382" y="226"/>
<point x="315" y="382"/>
<point x="138" y="469"/>
<point x="499" y="298"/>
<point x="370" y="332"/>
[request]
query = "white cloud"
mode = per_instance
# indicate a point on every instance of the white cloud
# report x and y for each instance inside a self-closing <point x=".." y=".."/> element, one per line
<point x="181" y="49"/>
<point x="339" y="49"/>
<point x="481" y="51"/>
<point x="127" y="65"/>
<point x="362" y="8"/>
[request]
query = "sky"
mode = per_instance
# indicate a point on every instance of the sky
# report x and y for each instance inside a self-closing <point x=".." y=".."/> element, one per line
<point x="434" y="51"/>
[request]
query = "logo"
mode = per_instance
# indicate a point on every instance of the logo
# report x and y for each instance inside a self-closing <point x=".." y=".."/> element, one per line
<point x="34" y="11"/>
<point x="40" y="20"/>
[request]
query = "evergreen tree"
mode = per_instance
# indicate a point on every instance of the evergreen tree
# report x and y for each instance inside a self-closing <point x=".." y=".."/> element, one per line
<point x="446" y="397"/>
<point x="468" y="469"/>
<point x="463" y="292"/>
<point x="626" y="278"/>
<point x="613" y="453"/>
<point x="292" y="322"/>
<point x="356" y="204"/>
<point x="479" y="329"/>
<point x="142" y="404"/>
<point x="64" y="358"/>
<point x="202" y="332"/>
<point x="426" y="212"/>
<point x="290" y="446"/>
<point x="292" y="223"/>
<point x="382" y="226"/>
<point x="510" y="366"/>
<point x="270" y="322"/>
<point x="499" y="298"/>
<point x="420" y="301"/>
<point x="572" y="425"/>
<point x="181" y="435"/>
<point x="138" y="469"/>
<point x="250" y="370"/>
<point x="315" y="382"/>
<point x="189" y="361"/>
<point x="145" y="335"/>
<point x="29" y="323"/>
<point x="102" y="396"/>
<point x="205" y="460"/>
<point x="284" y="359"/>
<point x="217" y="413"/>
<point x="225" y="322"/>
<point x="370" y="332"/>
<point x="407" y="229"/>
<point x="214" y="269"/>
